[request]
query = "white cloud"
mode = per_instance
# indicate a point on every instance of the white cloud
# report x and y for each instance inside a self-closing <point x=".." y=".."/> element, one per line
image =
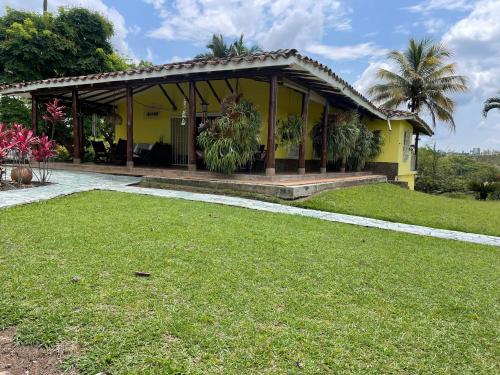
<point x="430" y="5"/>
<point x="353" y="52"/>
<point x="475" y="40"/>
<point x="434" y="25"/>
<point x="369" y="77"/>
<point x="119" y="39"/>
<point x="271" y="24"/>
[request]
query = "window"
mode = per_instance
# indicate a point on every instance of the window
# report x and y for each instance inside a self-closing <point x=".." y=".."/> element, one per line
<point x="407" y="145"/>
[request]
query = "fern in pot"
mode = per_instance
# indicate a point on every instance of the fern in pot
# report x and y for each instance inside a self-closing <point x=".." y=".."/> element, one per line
<point x="290" y="131"/>
<point x="232" y="140"/>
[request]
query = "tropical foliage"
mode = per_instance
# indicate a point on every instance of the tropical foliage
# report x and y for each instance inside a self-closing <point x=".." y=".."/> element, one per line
<point x="55" y="114"/>
<point x="289" y="131"/>
<point x="421" y="80"/>
<point x="439" y="172"/>
<point x="491" y="103"/>
<point x="20" y="144"/>
<point x="14" y="109"/>
<point x="73" y="42"/>
<point x="350" y="143"/>
<point x="218" y="48"/>
<point x="231" y="141"/>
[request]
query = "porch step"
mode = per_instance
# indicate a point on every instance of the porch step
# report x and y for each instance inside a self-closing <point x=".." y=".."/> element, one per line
<point x="284" y="189"/>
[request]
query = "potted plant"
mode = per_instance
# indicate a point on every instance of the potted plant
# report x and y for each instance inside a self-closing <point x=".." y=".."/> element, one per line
<point x="232" y="140"/>
<point x="290" y="131"/>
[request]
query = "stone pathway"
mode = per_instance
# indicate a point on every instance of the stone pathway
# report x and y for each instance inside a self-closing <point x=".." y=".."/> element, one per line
<point x="73" y="182"/>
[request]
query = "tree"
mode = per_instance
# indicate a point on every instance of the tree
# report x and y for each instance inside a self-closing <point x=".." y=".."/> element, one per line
<point x="422" y="81"/>
<point x="490" y="104"/>
<point x="219" y="49"/>
<point x="73" y="42"/>
<point x="14" y="110"/>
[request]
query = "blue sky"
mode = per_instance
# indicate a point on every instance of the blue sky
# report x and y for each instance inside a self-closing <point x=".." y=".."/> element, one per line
<point x="350" y="36"/>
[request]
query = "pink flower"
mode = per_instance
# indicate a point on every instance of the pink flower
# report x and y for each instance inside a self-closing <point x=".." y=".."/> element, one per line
<point x="44" y="149"/>
<point x="55" y="112"/>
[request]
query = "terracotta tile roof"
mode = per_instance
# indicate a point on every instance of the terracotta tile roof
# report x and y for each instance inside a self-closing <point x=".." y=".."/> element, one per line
<point x="253" y="59"/>
<point x="411" y="117"/>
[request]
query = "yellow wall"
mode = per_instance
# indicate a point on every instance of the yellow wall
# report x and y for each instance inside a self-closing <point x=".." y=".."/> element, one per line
<point x="392" y="150"/>
<point x="289" y="103"/>
<point x="150" y="130"/>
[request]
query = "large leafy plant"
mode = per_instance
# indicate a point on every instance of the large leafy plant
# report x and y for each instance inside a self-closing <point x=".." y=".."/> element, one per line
<point x="290" y="131"/>
<point x="231" y="141"/>
<point x="349" y="142"/>
<point x="43" y="151"/>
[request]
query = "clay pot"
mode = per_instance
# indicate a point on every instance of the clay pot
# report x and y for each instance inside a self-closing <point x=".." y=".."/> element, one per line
<point x="24" y="173"/>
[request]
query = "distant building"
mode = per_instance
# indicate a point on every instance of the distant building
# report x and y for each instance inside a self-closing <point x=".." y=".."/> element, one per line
<point x="475" y="151"/>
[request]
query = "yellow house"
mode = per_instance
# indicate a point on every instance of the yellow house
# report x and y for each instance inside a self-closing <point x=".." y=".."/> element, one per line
<point x="162" y="106"/>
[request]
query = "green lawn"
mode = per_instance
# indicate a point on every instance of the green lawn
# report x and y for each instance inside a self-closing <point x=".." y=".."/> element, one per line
<point x="236" y="291"/>
<point x="392" y="203"/>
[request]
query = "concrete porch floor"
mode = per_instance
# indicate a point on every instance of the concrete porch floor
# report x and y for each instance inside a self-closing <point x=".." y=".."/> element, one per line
<point x="285" y="186"/>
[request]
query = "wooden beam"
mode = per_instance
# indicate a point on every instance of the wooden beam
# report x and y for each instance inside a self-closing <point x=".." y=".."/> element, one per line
<point x="130" y="126"/>
<point x="192" y="127"/>
<point x="324" y="139"/>
<point x="174" y="107"/>
<point x="34" y="114"/>
<point x="76" y="127"/>
<point x="123" y="96"/>
<point x="182" y="91"/>
<point x="203" y="101"/>
<point x="196" y="77"/>
<point x="213" y="91"/>
<point x="417" y="134"/>
<point x="302" y="145"/>
<point x="270" y="154"/>
<point x="229" y="86"/>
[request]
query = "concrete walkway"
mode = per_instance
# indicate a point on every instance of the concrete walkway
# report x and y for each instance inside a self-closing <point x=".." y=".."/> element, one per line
<point x="73" y="182"/>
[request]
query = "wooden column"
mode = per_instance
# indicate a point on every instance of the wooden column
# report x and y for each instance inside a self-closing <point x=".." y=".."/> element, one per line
<point x="270" y="158"/>
<point x="302" y="145"/>
<point x="76" y="127"/>
<point x="130" y="126"/>
<point x="324" y="143"/>
<point x="417" y="134"/>
<point x="34" y="114"/>
<point x="192" y="127"/>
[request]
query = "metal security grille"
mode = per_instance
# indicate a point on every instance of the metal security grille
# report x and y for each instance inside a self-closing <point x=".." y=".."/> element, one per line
<point x="179" y="139"/>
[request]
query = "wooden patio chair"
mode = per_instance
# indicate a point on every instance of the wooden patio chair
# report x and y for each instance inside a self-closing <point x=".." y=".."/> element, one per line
<point x="119" y="156"/>
<point x="101" y="154"/>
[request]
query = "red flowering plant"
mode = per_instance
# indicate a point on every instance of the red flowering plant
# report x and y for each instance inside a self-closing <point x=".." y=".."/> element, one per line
<point x="42" y="152"/>
<point x="22" y="142"/>
<point x="5" y="147"/>
<point x="55" y="114"/>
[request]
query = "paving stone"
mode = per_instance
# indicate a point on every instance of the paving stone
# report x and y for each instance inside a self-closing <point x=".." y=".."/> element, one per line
<point x="70" y="182"/>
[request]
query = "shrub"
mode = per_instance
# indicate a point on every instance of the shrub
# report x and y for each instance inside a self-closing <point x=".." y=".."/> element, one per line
<point x="231" y="141"/>
<point x="62" y="153"/>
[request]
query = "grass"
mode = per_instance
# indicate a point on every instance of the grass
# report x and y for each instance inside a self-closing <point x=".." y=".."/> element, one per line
<point x="392" y="203"/>
<point x="237" y="291"/>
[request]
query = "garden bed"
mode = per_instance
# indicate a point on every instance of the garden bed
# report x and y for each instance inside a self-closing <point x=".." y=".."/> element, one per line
<point x="9" y="185"/>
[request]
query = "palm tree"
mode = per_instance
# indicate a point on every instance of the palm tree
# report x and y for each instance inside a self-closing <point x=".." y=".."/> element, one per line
<point x="218" y="48"/>
<point x="422" y="80"/>
<point x="238" y="48"/>
<point x="490" y="104"/>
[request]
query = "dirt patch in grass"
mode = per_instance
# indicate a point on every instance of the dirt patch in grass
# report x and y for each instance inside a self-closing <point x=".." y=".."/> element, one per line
<point x="21" y="360"/>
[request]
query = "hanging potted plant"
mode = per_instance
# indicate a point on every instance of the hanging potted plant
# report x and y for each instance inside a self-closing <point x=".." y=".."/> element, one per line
<point x="290" y="131"/>
<point x="232" y="140"/>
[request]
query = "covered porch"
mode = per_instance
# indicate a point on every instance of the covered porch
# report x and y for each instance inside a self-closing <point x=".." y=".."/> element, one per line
<point x="193" y="91"/>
